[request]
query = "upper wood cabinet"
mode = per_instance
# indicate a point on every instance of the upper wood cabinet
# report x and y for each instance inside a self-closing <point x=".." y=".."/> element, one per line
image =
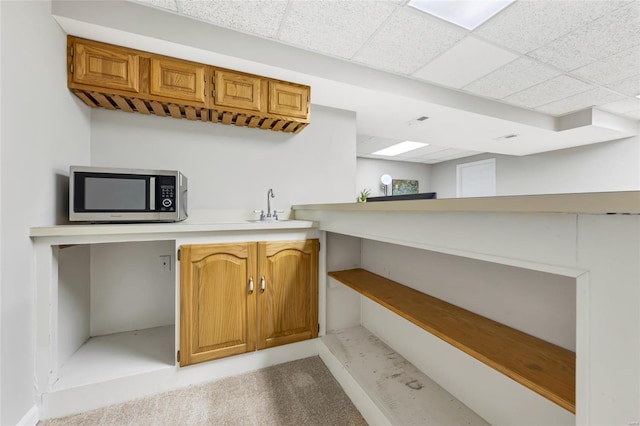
<point x="238" y="90"/>
<point x="178" y="79"/>
<point x="105" y="66"/>
<point x="236" y="298"/>
<point x="288" y="99"/>
<point x="118" y="78"/>
<point x="217" y="301"/>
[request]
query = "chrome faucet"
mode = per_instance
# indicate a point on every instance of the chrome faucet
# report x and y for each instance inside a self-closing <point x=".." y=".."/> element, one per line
<point x="270" y="192"/>
<point x="269" y="216"/>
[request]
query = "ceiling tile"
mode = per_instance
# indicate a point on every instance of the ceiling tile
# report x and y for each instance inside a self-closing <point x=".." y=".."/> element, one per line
<point x="622" y="106"/>
<point x="449" y="154"/>
<point x="634" y="115"/>
<point x="614" y="68"/>
<point x="527" y="25"/>
<point x="460" y="154"/>
<point x="374" y="144"/>
<point x="163" y="4"/>
<point x="426" y="152"/>
<point x="630" y="86"/>
<point x="580" y="101"/>
<point x="337" y="28"/>
<point x="551" y="90"/>
<point x="609" y="35"/>
<point x="260" y="17"/>
<point x="465" y="62"/>
<point x="362" y="138"/>
<point x="420" y="152"/>
<point x="513" y="77"/>
<point x="407" y="41"/>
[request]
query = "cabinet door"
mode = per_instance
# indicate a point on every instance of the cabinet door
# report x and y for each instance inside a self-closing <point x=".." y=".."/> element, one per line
<point x="237" y="90"/>
<point x="173" y="78"/>
<point x="106" y="66"/>
<point x="288" y="99"/>
<point x="217" y="302"/>
<point x="288" y="305"/>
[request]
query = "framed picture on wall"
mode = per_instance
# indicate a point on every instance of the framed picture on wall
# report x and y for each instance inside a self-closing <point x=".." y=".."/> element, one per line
<point x="404" y="186"/>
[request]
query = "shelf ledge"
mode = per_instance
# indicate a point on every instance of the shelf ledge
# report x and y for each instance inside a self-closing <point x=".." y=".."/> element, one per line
<point x="543" y="367"/>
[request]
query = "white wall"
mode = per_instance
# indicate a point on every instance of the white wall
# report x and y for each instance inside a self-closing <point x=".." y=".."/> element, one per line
<point x="607" y="166"/>
<point x="129" y="289"/>
<point x="43" y="131"/>
<point x="1" y="84"/>
<point x="343" y="303"/>
<point x="74" y="277"/>
<point x="537" y="303"/>
<point x="231" y="167"/>
<point x="369" y="171"/>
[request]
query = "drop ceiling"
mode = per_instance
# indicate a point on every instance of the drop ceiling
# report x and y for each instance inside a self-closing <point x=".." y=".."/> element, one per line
<point x="555" y="73"/>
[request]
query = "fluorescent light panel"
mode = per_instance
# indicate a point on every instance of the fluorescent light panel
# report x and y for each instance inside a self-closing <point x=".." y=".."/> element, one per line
<point x="464" y="13"/>
<point x="400" y="148"/>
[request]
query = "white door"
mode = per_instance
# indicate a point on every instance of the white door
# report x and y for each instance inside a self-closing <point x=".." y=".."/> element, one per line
<point x="477" y="179"/>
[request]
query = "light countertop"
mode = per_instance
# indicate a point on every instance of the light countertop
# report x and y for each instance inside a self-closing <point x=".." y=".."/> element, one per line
<point x="159" y="228"/>
<point x="626" y="202"/>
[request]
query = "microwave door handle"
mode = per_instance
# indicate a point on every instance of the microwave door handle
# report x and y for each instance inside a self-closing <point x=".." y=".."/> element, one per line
<point x="152" y="193"/>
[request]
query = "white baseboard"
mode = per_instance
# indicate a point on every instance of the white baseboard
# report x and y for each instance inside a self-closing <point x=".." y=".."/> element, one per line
<point x="30" y="418"/>
<point x="64" y="402"/>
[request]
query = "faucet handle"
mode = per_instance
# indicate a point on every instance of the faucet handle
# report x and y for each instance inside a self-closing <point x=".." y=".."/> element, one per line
<point x="275" y="213"/>
<point x="261" y="213"/>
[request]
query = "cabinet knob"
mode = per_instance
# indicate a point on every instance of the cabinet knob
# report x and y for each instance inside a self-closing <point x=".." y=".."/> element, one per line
<point x="250" y="285"/>
<point x="262" y="284"/>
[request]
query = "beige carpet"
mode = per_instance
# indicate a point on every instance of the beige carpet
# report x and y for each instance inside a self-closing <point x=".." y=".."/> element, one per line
<point x="296" y="393"/>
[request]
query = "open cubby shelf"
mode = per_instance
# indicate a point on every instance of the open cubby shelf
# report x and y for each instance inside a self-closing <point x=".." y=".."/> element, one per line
<point x="543" y="367"/>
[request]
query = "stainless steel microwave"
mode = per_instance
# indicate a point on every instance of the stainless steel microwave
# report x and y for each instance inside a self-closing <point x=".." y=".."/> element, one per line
<point x="99" y="194"/>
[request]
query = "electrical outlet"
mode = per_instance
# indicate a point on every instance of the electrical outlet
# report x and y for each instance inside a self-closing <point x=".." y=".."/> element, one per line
<point x="165" y="262"/>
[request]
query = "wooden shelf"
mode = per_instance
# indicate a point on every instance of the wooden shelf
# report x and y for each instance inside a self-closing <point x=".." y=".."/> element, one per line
<point x="543" y="367"/>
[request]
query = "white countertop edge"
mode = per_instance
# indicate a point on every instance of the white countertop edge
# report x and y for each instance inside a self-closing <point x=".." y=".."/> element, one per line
<point x="165" y="228"/>
<point x="624" y="202"/>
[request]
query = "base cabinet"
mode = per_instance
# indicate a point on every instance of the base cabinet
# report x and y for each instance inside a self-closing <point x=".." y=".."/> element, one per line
<point x="236" y="298"/>
<point x="288" y="306"/>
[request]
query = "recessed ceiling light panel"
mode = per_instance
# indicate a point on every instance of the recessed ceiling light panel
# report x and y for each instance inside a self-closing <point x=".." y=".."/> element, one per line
<point x="464" y="13"/>
<point x="400" y="148"/>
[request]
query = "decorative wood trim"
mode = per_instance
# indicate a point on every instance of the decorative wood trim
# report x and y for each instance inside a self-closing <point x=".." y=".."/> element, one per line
<point x="102" y="100"/>
<point x="85" y="98"/>
<point x="158" y="109"/>
<point x="254" y="122"/>
<point x="122" y="103"/>
<point x="140" y="106"/>
<point x="190" y="113"/>
<point x="174" y="110"/>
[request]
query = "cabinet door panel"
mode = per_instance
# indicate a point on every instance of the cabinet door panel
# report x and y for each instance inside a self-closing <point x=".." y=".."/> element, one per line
<point x="106" y="66"/>
<point x="288" y="99"/>
<point x="288" y="307"/>
<point x="238" y="90"/>
<point x="217" y="310"/>
<point x="178" y="79"/>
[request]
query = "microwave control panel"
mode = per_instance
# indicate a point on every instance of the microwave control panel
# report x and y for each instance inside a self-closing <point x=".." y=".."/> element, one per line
<point x="167" y="193"/>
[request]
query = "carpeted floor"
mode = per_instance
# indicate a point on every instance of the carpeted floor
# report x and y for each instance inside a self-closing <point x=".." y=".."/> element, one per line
<point x="301" y="392"/>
